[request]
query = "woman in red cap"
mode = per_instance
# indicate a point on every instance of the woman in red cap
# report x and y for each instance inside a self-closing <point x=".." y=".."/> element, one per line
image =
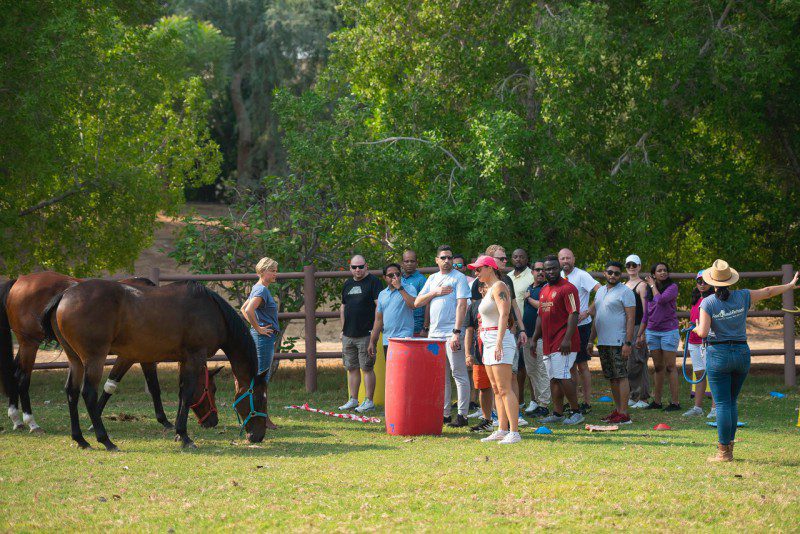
<point x="499" y="348"/>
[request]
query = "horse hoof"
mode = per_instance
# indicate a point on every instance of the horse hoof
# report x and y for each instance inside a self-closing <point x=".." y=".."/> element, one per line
<point x="112" y="448"/>
<point x="189" y="445"/>
<point x="19" y="426"/>
<point x="167" y="425"/>
<point x="37" y="430"/>
<point x="83" y="444"/>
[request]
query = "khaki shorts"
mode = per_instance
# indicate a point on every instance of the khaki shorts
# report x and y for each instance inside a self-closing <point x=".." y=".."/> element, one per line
<point x="614" y="366"/>
<point x="354" y="353"/>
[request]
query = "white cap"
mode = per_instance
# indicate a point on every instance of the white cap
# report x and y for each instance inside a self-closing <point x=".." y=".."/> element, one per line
<point x="633" y="258"/>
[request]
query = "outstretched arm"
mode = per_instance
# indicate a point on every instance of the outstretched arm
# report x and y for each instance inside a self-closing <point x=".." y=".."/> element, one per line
<point x="773" y="291"/>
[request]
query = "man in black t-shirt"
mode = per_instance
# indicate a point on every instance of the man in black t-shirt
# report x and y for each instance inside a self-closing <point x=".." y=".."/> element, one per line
<point x="359" y="298"/>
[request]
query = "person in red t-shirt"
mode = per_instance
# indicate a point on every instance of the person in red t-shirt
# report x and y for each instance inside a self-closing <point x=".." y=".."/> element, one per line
<point x="557" y="325"/>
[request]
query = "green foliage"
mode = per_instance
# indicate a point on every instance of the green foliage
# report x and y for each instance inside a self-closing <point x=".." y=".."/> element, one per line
<point x="103" y="124"/>
<point x="668" y="128"/>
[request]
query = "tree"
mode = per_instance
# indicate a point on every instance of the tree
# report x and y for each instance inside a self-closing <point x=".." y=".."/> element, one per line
<point x="104" y="121"/>
<point x="606" y="126"/>
<point x="277" y="44"/>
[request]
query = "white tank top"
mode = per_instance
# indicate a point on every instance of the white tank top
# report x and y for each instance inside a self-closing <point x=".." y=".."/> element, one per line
<point x="490" y="315"/>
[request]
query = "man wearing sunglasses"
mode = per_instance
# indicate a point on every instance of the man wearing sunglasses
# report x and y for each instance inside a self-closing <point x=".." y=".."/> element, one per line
<point x="614" y="311"/>
<point x="394" y="315"/>
<point x="446" y="293"/>
<point x="357" y="313"/>
<point x="534" y="360"/>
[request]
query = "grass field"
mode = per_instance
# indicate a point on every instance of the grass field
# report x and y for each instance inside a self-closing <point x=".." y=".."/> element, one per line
<point x="321" y="473"/>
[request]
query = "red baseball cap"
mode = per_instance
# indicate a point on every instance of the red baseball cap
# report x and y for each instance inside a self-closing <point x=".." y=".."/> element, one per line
<point x="483" y="261"/>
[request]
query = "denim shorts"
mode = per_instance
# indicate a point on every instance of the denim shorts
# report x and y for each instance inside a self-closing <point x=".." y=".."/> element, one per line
<point x="663" y="340"/>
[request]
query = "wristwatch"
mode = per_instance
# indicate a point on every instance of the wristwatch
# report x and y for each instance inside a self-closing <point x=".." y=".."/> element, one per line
<point x="628" y="343"/>
<point x="456" y="331"/>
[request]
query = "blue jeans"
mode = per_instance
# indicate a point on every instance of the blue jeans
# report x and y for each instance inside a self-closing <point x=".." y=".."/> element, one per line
<point x="265" y="346"/>
<point x="727" y="367"/>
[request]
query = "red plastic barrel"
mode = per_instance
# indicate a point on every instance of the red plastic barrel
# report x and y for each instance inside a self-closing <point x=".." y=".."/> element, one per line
<point x="415" y="369"/>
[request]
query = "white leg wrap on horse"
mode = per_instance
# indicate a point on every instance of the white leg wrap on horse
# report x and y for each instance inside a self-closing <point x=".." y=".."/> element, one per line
<point x="13" y="413"/>
<point x="27" y="418"/>
<point x="110" y="386"/>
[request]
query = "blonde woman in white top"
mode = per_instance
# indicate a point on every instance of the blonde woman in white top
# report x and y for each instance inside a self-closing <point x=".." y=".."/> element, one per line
<point x="499" y="348"/>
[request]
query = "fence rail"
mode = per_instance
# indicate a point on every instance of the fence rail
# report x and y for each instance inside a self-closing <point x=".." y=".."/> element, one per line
<point x="309" y="275"/>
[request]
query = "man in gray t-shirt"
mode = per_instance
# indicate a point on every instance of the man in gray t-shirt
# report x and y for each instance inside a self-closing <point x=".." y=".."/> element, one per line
<point x="614" y="311"/>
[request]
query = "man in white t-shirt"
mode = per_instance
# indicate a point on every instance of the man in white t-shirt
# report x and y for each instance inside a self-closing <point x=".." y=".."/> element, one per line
<point x="447" y="292"/>
<point x="586" y="285"/>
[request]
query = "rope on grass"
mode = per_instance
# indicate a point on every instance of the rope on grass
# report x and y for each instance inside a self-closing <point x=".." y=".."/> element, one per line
<point x="351" y="416"/>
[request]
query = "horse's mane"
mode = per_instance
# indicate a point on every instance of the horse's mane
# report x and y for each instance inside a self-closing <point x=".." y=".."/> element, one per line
<point x="237" y="330"/>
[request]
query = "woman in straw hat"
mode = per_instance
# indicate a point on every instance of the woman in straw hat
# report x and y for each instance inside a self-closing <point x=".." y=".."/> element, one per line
<point x="722" y="324"/>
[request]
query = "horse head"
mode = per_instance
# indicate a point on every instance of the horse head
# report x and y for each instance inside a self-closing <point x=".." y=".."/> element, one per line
<point x="249" y="405"/>
<point x="204" y="403"/>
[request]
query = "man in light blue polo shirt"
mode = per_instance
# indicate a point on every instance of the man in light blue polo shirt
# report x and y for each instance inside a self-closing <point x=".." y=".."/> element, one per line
<point x="394" y="315"/>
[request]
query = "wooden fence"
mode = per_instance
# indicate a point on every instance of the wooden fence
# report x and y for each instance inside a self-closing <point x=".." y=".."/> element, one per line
<point x="310" y="315"/>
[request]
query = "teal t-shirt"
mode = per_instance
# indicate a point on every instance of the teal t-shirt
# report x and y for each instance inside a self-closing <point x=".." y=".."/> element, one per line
<point x="728" y="317"/>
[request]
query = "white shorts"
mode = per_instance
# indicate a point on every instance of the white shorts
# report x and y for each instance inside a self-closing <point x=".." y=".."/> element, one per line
<point x="489" y="338"/>
<point x="558" y="365"/>
<point x="697" y="354"/>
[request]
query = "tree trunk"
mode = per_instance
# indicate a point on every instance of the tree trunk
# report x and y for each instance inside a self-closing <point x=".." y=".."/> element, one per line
<point x="244" y="143"/>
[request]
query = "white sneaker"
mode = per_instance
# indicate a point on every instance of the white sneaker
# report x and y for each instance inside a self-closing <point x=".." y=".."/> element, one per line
<point x="640" y="405"/>
<point x="366" y="406"/>
<point x="693" y="411"/>
<point x="574" y="419"/>
<point x="511" y="437"/>
<point x="712" y="414"/>
<point x="497" y="435"/>
<point x="349" y="405"/>
<point x="531" y="407"/>
<point x="474" y="415"/>
<point x="631" y="403"/>
<point x="521" y="422"/>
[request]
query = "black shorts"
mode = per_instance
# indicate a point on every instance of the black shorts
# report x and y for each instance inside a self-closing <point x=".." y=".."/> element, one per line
<point x="584" y="331"/>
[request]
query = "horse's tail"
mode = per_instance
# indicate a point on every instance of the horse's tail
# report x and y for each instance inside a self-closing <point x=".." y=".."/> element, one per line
<point x="7" y="366"/>
<point x="46" y="321"/>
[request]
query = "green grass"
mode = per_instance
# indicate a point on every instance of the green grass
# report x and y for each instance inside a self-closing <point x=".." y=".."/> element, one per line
<point x="320" y="473"/>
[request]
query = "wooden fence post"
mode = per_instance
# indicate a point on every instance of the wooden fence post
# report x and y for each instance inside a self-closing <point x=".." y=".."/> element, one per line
<point x="155" y="276"/>
<point x="310" y="307"/>
<point x="789" y="371"/>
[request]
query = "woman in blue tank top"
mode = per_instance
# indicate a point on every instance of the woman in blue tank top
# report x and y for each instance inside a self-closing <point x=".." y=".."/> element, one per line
<point x="723" y="325"/>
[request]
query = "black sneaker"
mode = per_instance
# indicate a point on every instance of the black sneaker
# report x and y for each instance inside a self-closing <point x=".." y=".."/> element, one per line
<point x="672" y="407"/>
<point x="484" y="425"/>
<point x="541" y="411"/>
<point x="447" y="420"/>
<point x="585" y="408"/>
<point x="654" y="406"/>
<point x="474" y="406"/>
<point x="459" y="422"/>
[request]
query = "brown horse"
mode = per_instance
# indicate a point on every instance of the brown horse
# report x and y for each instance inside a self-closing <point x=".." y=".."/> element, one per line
<point x="22" y="302"/>
<point x="183" y="322"/>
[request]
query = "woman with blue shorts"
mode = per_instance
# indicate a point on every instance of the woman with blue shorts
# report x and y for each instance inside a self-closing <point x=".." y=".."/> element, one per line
<point x="660" y="330"/>
<point x="723" y="325"/>
<point x="261" y="312"/>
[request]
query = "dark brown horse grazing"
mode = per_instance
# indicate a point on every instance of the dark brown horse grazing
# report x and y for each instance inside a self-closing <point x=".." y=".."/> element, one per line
<point x="22" y="302"/>
<point x="183" y="322"/>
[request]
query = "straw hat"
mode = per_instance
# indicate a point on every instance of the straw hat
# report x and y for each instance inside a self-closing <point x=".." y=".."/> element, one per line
<point x="720" y="274"/>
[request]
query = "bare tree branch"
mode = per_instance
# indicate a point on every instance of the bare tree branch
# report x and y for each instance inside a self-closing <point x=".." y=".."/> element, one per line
<point x="393" y="140"/>
<point x="54" y="200"/>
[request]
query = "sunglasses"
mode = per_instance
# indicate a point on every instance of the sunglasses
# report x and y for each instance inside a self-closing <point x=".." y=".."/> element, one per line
<point x="700" y="281"/>
<point x="458" y="265"/>
<point x="631" y="265"/>
<point x="446" y="258"/>
<point x="614" y="273"/>
<point x="358" y="266"/>
<point x="538" y="269"/>
<point x="393" y="275"/>
<point x="501" y="258"/>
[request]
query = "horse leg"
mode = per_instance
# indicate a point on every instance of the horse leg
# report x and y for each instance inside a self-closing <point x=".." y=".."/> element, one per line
<point x="91" y="382"/>
<point x="13" y="397"/>
<point x="26" y="358"/>
<point x="114" y="378"/>
<point x="151" y="376"/>
<point x="73" y="391"/>
<point x="189" y="373"/>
